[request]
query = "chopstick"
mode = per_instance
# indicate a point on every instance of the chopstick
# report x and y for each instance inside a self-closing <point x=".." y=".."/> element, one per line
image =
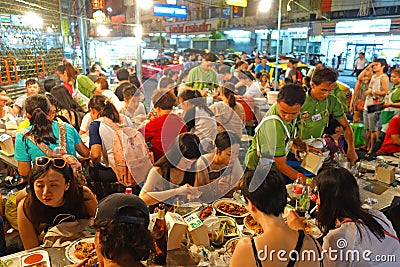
<point x="313" y="209"/>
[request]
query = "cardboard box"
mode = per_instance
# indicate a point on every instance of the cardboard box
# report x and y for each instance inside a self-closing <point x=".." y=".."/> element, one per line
<point x="385" y="173"/>
<point x="197" y="230"/>
<point x="176" y="230"/>
<point x="312" y="162"/>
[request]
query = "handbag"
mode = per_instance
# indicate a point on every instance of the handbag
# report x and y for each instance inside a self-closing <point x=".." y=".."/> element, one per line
<point x="359" y="106"/>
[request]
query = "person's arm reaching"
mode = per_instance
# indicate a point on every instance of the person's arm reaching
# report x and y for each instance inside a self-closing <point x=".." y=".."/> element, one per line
<point x="349" y="137"/>
<point x="284" y="168"/>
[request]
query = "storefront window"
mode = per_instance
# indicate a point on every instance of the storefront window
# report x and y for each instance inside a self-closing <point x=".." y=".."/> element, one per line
<point x="299" y="45"/>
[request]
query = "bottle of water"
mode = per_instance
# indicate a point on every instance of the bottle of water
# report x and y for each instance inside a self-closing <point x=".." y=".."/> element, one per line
<point x="303" y="204"/>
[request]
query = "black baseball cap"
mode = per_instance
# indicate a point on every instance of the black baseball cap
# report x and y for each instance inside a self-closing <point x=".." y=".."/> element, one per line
<point x="111" y="207"/>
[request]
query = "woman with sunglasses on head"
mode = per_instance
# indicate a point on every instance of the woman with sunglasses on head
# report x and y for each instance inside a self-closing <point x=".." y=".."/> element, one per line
<point x="43" y="130"/>
<point x="221" y="169"/>
<point x="349" y="227"/>
<point x="265" y="193"/>
<point x="172" y="175"/>
<point x="54" y="191"/>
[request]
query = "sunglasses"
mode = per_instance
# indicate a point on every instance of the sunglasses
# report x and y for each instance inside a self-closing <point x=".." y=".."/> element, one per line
<point x="44" y="161"/>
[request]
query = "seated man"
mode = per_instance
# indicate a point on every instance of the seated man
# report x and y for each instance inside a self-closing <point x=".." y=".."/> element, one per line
<point x="118" y="216"/>
<point x="391" y="144"/>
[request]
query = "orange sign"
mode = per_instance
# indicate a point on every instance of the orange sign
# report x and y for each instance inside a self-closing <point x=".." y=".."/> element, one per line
<point x="98" y="4"/>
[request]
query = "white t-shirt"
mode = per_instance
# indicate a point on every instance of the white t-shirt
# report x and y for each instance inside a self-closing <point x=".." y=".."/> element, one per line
<point x="254" y="91"/>
<point x="20" y="102"/>
<point x="85" y="123"/>
<point x="112" y="97"/>
<point x="205" y="125"/>
<point x="347" y="240"/>
<point x="228" y="118"/>
<point x="360" y="63"/>
<point x="106" y="134"/>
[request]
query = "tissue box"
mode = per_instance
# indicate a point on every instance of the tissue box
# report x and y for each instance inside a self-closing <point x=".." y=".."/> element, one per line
<point x="312" y="162"/>
<point x="176" y="230"/>
<point x="197" y="230"/>
<point x="385" y="174"/>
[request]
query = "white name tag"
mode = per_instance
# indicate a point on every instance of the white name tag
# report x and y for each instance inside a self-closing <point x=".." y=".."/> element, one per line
<point x="317" y="117"/>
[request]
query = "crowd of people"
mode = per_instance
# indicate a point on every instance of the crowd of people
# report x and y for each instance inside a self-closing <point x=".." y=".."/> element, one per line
<point x="194" y="147"/>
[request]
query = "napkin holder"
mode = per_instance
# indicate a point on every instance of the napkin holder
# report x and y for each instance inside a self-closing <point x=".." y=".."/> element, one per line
<point x="176" y="230"/>
<point x="385" y="173"/>
<point x="312" y="162"/>
<point x="197" y="230"/>
<point x="6" y="145"/>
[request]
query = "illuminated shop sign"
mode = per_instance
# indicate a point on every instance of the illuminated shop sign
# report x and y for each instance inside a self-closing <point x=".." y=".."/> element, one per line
<point x="298" y="33"/>
<point x="241" y="3"/>
<point x="173" y="11"/>
<point x="363" y="26"/>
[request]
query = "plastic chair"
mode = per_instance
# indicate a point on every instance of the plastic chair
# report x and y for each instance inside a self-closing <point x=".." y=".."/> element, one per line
<point x="358" y="130"/>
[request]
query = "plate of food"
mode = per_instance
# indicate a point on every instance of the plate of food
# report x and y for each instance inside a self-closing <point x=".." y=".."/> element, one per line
<point x="231" y="245"/>
<point x="81" y="249"/>
<point x="251" y="224"/>
<point x="205" y="212"/>
<point x="39" y="258"/>
<point x="230" y="207"/>
<point x="230" y="227"/>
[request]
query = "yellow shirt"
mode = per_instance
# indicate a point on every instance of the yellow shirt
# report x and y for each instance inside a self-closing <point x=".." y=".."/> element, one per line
<point x="26" y="123"/>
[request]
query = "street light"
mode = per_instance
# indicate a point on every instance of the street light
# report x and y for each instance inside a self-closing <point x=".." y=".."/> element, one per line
<point x="264" y="7"/>
<point x="138" y="34"/>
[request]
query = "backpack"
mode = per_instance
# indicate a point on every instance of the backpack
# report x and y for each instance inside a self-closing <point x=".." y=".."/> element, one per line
<point x="75" y="164"/>
<point x="299" y="76"/>
<point x="132" y="160"/>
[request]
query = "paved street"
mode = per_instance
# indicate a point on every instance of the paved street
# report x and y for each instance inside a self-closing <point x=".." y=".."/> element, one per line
<point x="344" y="76"/>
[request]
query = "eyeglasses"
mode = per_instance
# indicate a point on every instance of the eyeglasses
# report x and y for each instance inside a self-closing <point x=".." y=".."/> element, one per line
<point x="44" y="161"/>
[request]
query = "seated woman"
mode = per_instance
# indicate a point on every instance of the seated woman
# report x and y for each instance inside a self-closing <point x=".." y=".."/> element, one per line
<point x="54" y="192"/>
<point x="198" y="117"/>
<point x="229" y="113"/>
<point x="265" y="194"/>
<point x="132" y="107"/>
<point x="333" y="136"/>
<point x="68" y="110"/>
<point x="342" y="218"/>
<point x="172" y="175"/>
<point x="220" y="170"/>
<point x="43" y="130"/>
<point x="101" y="142"/>
<point x="166" y="126"/>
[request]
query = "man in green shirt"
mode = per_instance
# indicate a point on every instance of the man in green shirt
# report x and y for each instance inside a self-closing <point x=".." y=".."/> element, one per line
<point x="203" y="77"/>
<point x="275" y="133"/>
<point x="319" y="105"/>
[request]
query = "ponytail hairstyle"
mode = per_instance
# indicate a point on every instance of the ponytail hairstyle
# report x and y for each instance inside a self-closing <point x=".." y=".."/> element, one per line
<point x="69" y="68"/>
<point x="38" y="106"/>
<point x="228" y="90"/>
<point x="105" y="107"/>
<point x="196" y="99"/>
